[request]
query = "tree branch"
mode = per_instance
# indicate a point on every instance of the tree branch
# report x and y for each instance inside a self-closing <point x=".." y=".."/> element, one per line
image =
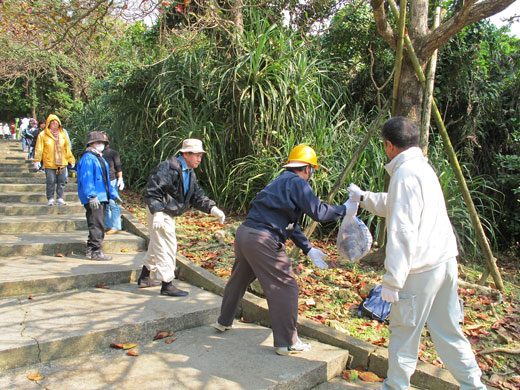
<point x="382" y="26"/>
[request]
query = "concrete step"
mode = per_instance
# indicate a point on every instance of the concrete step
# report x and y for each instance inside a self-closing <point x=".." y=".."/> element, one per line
<point x="25" y="276"/>
<point x="15" y="165"/>
<point x="6" y="197"/>
<point x="36" y="179"/>
<point x="61" y="325"/>
<point x="18" y="208"/>
<point x="29" y="172"/>
<point x="30" y="187"/>
<point x="339" y="383"/>
<point x="67" y="243"/>
<point x="199" y="359"/>
<point x="38" y="223"/>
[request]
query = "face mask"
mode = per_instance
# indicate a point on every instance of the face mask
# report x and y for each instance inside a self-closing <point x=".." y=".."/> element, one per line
<point x="99" y="147"/>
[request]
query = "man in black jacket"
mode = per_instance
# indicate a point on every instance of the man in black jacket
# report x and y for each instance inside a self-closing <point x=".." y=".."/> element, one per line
<point x="172" y="188"/>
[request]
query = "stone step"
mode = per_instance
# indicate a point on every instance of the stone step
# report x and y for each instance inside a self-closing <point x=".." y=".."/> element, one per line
<point x="67" y="243"/>
<point x="30" y="172"/>
<point x="18" y="208"/>
<point x="60" y="325"/>
<point x="199" y="359"/>
<point x="25" y="276"/>
<point x="6" y="197"/>
<point x="36" y="179"/>
<point x="38" y="223"/>
<point x="30" y="187"/>
<point x="14" y="165"/>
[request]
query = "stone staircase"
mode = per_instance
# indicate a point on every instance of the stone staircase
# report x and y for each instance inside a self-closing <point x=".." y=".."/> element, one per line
<point x="59" y="312"/>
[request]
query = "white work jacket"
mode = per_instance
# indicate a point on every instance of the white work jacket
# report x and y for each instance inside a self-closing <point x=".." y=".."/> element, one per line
<point x="420" y="235"/>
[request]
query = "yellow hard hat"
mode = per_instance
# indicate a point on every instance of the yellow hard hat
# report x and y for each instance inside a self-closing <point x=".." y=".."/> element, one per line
<point x="300" y="156"/>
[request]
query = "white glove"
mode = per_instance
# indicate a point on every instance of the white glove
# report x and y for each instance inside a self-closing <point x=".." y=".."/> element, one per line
<point x="317" y="257"/>
<point x="37" y="166"/>
<point x="94" y="203"/>
<point x="72" y="165"/>
<point x="158" y="222"/>
<point x="120" y="184"/>
<point x="389" y="295"/>
<point x="352" y="207"/>
<point x="356" y="194"/>
<point x="218" y="213"/>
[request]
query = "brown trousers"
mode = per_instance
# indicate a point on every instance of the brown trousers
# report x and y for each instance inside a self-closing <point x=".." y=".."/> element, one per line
<point x="259" y="255"/>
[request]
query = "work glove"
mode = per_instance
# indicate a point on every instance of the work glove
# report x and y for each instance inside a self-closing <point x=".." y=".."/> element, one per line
<point x="37" y="166"/>
<point x="355" y="193"/>
<point x="389" y="294"/>
<point x="120" y="184"/>
<point x="158" y="222"/>
<point x="317" y="257"/>
<point x="218" y="213"/>
<point x="352" y="207"/>
<point x="94" y="203"/>
<point x="72" y="165"/>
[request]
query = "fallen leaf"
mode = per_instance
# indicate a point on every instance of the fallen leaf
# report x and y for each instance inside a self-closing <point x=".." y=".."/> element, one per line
<point x="350" y="375"/>
<point x="119" y="346"/>
<point x="131" y="352"/>
<point x="35" y="377"/>
<point x="129" y="345"/>
<point x="59" y="255"/>
<point x="170" y="340"/>
<point x="100" y="285"/>
<point x="30" y="297"/>
<point x="124" y="250"/>
<point x="368" y="376"/>
<point x="161" y="335"/>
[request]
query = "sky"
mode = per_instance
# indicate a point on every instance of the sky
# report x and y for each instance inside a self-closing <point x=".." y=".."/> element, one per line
<point x="513" y="9"/>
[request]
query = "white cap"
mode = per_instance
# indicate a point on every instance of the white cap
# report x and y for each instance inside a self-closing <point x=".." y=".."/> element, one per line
<point x="295" y="164"/>
<point x="191" y="145"/>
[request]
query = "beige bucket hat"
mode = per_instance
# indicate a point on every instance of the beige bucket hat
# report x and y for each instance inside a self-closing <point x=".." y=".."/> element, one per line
<point x="191" y="145"/>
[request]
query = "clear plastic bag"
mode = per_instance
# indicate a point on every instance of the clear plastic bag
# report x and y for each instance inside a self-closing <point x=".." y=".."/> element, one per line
<point x="354" y="239"/>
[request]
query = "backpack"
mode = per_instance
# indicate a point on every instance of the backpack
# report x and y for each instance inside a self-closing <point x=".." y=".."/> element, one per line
<point x="374" y="307"/>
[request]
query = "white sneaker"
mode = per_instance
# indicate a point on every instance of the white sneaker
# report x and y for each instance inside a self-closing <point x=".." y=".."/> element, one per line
<point x="300" y="346"/>
<point x="50" y="202"/>
<point x="60" y="202"/>
<point x="221" y="328"/>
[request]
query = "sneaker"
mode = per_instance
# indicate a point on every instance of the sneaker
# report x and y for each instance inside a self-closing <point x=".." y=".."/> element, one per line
<point x="88" y="253"/>
<point x="221" y="328"/>
<point x="60" y="202"/>
<point x="99" y="255"/>
<point x="50" y="202"/>
<point x="300" y="346"/>
<point x="112" y="231"/>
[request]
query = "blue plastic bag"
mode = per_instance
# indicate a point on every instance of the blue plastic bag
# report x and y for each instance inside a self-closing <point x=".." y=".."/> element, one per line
<point x="354" y="239"/>
<point x="374" y="307"/>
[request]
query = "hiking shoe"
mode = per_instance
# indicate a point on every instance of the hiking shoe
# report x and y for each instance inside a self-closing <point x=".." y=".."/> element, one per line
<point x="145" y="280"/>
<point x="99" y="255"/>
<point x="300" y="346"/>
<point x="88" y="253"/>
<point x="221" y="328"/>
<point x="60" y="202"/>
<point x="172" y="291"/>
<point x="112" y="231"/>
<point x="50" y="202"/>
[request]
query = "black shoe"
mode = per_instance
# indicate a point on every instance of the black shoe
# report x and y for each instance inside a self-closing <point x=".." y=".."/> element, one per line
<point x="99" y="255"/>
<point x="145" y="280"/>
<point x="172" y="291"/>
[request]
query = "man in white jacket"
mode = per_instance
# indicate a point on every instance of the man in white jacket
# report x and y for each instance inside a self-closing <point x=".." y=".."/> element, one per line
<point x="421" y="268"/>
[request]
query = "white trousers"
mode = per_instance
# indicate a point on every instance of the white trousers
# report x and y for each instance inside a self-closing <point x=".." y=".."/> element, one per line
<point x="162" y="249"/>
<point x="430" y="297"/>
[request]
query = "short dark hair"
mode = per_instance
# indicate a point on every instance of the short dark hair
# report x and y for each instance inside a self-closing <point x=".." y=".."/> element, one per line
<point x="401" y="132"/>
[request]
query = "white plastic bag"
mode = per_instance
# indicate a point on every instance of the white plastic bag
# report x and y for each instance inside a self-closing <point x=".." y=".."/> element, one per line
<point x="354" y="239"/>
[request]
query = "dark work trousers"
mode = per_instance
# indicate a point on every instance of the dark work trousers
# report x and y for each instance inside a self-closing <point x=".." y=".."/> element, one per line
<point x="96" y="226"/>
<point x="259" y="255"/>
<point x="56" y="180"/>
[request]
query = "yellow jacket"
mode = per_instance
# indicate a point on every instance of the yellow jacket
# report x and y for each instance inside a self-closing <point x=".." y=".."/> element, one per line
<point x="45" y="147"/>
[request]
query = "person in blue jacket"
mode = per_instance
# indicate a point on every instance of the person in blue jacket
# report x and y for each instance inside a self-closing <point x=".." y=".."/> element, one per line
<point x="94" y="191"/>
<point x="260" y="247"/>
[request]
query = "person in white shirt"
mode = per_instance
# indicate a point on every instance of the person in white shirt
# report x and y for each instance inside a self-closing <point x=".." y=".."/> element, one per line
<point x="421" y="267"/>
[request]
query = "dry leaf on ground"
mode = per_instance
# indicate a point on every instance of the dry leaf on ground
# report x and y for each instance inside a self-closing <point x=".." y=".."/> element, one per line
<point x="161" y="334"/>
<point x="35" y="377"/>
<point x="170" y="340"/>
<point x="131" y="352"/>
<point x="368" y="376"/>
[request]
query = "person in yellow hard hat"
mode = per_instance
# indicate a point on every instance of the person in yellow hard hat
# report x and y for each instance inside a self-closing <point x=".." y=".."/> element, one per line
<point x="260" y="247"/>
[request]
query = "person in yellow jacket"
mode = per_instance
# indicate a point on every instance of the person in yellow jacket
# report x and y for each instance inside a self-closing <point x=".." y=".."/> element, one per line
<point x="53" y="152"/>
